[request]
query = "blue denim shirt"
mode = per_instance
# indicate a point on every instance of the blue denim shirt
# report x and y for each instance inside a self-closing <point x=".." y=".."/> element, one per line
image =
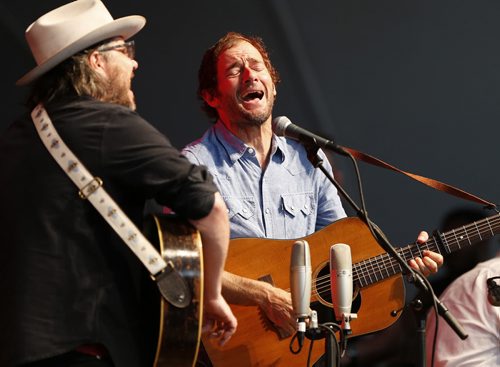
<point x="290" y="199"/>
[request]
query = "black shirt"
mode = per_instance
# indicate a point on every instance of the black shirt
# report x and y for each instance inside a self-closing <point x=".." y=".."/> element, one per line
<point x="65" y="277"/>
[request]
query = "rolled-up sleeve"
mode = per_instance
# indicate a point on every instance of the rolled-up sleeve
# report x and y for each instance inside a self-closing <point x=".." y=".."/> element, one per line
<point x="142" y="159"/>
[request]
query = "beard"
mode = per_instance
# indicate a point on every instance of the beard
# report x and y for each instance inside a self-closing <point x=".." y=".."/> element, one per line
<point x="118" y="89"/>
<point x="251" y="118"/>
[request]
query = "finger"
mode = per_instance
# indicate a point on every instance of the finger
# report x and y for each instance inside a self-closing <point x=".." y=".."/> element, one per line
<point x="208" y="325"/>
<point x="226" y="335"/>
<point x="413" y="264"/>
<point x="430" y="264"/>
<point x="285" y="330"/>
<point x="436" y="257"/>
<point x="417" y="264"/>
<point x="289" y="330"/>
<point x="224" y="339"/>
<point x="214" y="334"/>
<point x="283" y="333"/>
<point x="422" y="237"/>
<point x="422" y="267"/>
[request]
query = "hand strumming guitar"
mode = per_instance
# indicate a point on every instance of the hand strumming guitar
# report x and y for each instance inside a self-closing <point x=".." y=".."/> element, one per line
<point x="275" y="303"/>
<point x="218" y="320"/>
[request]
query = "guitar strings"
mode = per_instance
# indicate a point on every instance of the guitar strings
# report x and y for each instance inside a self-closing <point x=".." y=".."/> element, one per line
<point x="374" y="266"/>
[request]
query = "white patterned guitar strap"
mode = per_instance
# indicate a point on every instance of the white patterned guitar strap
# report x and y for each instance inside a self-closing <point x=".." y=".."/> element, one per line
<point x="171" y="285"/>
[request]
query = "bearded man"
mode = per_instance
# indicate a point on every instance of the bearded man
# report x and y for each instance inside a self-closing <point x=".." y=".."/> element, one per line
<point x="72" y="292"/>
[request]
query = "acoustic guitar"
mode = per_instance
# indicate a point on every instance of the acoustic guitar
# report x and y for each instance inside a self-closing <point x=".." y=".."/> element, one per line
<point x="377" y="277"/>
<point x="179" y="328"/>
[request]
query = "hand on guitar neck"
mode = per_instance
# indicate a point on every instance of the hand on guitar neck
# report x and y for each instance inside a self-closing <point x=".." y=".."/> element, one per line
<point x="430" y="262"/>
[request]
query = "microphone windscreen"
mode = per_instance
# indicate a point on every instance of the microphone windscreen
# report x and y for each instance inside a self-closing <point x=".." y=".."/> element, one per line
<point x="280" y="124"/>
<point x="300" y="278"/>
<point x="341" y="278"/>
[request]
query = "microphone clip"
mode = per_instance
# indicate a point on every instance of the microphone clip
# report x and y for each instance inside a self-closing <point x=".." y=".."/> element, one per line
<point x="345" y="322"/>
<point x="301" y="329"/>
<point x="314" y="332"/>
<point x="300" y="334"/>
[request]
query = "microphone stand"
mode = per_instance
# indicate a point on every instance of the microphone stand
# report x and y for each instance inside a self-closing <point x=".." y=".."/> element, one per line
<point x="327" y="332"/>
<point x="419" y="311"/>
<point x="419" y="305"/>
<point x="423" y="284"/>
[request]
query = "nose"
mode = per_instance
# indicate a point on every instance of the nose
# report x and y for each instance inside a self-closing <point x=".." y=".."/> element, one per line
<point x="135" y="64"/>
<point x="249" y="75"/>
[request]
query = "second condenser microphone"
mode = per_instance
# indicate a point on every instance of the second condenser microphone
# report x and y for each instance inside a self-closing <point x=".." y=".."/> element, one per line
<point x="341" y="280"/>
<point x="300" y="284"/>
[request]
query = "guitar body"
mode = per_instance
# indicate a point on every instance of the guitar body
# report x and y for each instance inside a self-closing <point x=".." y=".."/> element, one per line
<point x="256" y="342"/>
<point x="179" y="328"/>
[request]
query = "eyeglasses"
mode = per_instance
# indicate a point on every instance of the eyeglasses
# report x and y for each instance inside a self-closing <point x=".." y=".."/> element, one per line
<point x="127" y="48"/>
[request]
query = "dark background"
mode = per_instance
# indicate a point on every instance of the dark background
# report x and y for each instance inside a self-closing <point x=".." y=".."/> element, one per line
<point x="415" y="83"/>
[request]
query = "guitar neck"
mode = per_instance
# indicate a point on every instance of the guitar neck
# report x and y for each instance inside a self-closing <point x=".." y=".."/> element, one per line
<point x="381" y="267"/>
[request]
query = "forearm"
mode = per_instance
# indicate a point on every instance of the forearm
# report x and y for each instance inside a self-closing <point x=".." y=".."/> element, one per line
<point x="276" y="303"/>
<point x="214" y="231"/>
<point x="244" y="291"/>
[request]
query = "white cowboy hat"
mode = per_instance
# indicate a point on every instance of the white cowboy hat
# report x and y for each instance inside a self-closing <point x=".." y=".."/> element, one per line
<point x="71" y="28"/>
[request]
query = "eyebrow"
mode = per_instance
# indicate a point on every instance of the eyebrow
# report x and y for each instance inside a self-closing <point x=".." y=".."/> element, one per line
<point x="238" y="61"/>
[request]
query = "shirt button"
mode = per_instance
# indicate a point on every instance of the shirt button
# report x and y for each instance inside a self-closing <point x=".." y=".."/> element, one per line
<point x="267" y="211"/>
<point x="292" y="208"/>
<point x="305" y="206"/>
<point x="245" y="210"/>
<point x="251" y="151"/>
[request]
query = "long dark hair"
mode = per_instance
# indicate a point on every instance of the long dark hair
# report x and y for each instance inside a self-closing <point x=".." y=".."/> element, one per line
<point x="74" y="76"/>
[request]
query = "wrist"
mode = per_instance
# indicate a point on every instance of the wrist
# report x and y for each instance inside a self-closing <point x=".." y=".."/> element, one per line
<point x="264" y="293"/>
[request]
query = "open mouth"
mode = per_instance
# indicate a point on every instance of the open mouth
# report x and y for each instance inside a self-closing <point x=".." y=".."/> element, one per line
<point x="253" y="95"/>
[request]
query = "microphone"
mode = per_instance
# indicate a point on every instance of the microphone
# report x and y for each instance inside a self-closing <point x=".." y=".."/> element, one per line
<point x="282" y="126"/>
<point x="300" y="285"/>
<point x="341" y="284"/>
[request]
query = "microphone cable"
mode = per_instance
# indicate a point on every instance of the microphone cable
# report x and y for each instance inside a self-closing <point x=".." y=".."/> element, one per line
<point x="299" y="348"/>
<point x="331" y="328"/>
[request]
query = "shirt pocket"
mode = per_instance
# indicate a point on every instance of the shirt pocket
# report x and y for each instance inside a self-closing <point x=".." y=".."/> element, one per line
<point x="299" y="214"/>
<point x="243" y="207"/>
<point x="294" y="204"/>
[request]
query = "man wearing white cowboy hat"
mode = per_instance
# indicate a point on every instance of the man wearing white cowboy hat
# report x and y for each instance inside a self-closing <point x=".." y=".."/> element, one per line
<point x="72" y="292"/>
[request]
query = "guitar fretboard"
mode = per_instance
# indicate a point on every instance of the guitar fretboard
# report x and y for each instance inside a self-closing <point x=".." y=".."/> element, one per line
<point x="381" y="267"/>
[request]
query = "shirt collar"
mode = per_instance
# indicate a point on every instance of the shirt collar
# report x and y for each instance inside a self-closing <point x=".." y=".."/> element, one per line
<point x="236" y="148"/>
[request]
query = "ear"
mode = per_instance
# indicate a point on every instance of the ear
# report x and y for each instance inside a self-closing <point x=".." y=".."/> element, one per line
<point x="97" y="62"/>
<point x="210" y="98"/>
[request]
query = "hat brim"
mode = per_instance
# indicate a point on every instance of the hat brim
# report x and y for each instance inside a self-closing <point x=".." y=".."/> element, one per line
<point x="125" y="27"/>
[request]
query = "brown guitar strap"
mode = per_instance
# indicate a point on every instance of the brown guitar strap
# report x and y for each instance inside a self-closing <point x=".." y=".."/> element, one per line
<point x="426" y="181"/>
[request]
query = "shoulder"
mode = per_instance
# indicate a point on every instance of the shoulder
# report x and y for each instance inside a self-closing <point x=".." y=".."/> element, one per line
<point x="201" y="151"/>
<point x="93" y="112"/>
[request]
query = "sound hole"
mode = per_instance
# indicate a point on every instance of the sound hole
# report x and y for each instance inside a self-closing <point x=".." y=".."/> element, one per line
<point x="324" y="307"/>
